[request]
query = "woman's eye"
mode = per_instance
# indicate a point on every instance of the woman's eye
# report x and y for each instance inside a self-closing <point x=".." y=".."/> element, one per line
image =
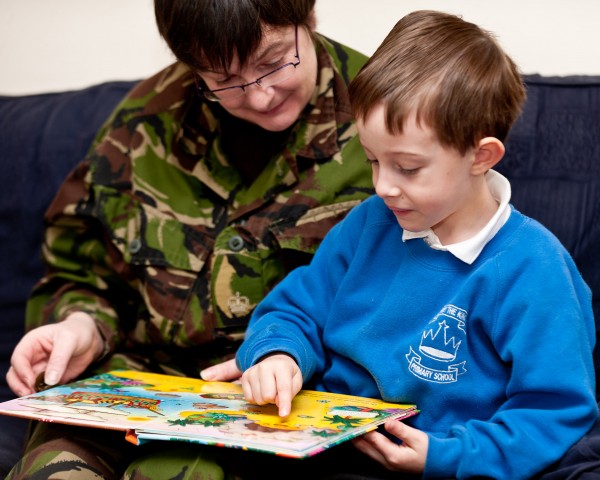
<point x="272" y="65"/>
<point x="223" y="81"/>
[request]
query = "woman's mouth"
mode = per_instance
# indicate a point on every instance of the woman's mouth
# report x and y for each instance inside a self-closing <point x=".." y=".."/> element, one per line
<point x="274" y="110"/>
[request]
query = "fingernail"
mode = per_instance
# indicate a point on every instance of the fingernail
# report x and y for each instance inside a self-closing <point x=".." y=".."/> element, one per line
<point x="51" y="377"/>
<point x="206" y="374"/>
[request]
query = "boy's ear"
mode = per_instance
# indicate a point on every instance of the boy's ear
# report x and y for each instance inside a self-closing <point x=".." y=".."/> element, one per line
<point x="489" y="152"/>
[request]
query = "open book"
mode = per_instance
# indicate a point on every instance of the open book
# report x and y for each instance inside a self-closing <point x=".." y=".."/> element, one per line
<point x="148" y="406"/>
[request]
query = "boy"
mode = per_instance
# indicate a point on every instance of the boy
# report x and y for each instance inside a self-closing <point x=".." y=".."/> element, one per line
<point x="437" y="291"/>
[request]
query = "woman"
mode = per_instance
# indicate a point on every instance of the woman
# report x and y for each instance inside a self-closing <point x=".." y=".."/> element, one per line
<point x="208" y="184"/>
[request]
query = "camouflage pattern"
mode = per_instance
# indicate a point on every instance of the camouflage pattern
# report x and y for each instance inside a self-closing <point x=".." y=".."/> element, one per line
<point x="157" y="237"/>
<point x="61" y="452"/>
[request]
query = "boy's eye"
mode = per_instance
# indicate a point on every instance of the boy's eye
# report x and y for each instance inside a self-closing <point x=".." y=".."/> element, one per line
<point x="408" y="171"/>
<point x="372" y="161"/>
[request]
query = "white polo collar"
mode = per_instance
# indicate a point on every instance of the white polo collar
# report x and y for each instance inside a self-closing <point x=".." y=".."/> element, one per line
<point x="468" y="250"/>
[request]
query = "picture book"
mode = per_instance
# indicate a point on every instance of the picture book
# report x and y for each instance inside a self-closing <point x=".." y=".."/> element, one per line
<point x="148" y="406"/>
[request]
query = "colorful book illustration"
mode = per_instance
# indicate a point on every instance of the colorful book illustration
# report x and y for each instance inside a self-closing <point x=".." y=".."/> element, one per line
<point x="148" y="406"/>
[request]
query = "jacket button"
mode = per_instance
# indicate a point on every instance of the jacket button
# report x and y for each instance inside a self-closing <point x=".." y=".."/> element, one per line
<point x="135" y="246"/>
<point x="235" y="243"/>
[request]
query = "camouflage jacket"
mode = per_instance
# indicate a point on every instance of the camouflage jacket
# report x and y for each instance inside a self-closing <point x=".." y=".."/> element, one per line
<point x="156" y="235"/>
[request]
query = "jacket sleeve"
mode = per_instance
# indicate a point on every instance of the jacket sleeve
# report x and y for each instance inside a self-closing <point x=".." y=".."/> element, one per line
<point x="80" y="274"/>
<point x="82" y="270"/>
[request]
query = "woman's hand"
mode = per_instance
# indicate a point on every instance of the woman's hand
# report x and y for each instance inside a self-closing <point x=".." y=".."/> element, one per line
<point x="62" y="350"/>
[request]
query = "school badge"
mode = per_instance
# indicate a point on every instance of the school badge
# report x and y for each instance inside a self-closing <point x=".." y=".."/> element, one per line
<point x="436" y="360"/>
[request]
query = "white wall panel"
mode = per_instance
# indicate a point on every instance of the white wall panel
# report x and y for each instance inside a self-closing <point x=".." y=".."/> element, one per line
<point x="51" y="45"/>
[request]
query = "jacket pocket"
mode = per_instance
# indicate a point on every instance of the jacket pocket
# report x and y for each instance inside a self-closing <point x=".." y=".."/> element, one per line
<point x="164" y="259"/>
<point x="306" y="233"/>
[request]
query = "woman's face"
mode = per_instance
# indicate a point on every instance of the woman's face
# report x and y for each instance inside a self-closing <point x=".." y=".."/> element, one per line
<point x="275" y="107"/>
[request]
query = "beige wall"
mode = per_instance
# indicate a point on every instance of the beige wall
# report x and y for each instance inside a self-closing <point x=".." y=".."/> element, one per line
<point x="50" y="45"/>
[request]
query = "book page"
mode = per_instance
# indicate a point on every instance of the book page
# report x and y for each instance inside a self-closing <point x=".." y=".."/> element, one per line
<point x="149" y="406"/>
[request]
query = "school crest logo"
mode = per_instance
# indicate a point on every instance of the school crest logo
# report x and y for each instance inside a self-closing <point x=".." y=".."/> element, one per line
<point x="436" y="358"/>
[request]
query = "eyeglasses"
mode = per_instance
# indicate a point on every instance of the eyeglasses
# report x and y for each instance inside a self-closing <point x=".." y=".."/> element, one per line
<point x="280" y="74"/>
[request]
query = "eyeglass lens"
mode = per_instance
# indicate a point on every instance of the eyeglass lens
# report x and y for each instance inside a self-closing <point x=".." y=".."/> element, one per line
<point x="269" y="80"/>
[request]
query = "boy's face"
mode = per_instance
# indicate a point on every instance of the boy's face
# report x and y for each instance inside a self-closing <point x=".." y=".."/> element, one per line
<point x="426" y="185"/>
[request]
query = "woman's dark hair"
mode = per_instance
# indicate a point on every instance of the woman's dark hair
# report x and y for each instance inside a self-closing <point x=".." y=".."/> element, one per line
<point x="208" y="33"/>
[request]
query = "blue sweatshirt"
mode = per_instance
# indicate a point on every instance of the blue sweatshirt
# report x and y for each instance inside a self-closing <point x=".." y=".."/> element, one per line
<point x="497" y="354"/>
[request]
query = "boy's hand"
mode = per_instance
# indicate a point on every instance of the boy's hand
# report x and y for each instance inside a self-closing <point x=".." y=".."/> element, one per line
<point x="275" y="379"/>
<point x="408" y="457"/>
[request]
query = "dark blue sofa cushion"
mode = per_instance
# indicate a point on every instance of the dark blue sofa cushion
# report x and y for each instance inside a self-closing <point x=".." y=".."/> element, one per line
<point x="41" y="138"/>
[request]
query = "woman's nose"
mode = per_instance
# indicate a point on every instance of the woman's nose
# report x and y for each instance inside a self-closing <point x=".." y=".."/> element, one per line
<point x="259" y="97"/>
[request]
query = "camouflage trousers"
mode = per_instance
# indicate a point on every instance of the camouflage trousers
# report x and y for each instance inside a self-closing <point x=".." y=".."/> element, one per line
<point x="63" y="452"/>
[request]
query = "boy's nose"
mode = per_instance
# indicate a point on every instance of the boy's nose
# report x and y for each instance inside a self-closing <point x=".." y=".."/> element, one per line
<point x="385" y="188"/>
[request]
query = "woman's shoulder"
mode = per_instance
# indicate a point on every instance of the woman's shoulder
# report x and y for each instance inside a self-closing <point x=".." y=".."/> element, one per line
<point x="347" y="60"/>
<point x="158" y="103"/>
<point x="165" y="90"/>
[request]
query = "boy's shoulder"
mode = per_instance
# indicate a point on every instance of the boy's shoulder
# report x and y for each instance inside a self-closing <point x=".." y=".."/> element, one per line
<point x="526" y="238"/>
<point x="529" y="229"/>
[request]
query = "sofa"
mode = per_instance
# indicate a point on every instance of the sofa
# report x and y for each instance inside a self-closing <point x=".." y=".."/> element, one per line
<point x="41" y="138"/>
<point x="552" y="159"/>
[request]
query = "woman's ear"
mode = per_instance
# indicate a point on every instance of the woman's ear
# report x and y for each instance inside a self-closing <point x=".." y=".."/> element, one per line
<point x="489" y="152"/>
<point x="312" y="20"/>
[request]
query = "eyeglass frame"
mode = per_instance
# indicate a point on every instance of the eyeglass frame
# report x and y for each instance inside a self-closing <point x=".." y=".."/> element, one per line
<point x="212" y="96"/>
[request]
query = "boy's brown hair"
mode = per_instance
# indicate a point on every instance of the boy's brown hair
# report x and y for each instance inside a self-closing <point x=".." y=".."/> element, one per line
<point x="451" y="73"/>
